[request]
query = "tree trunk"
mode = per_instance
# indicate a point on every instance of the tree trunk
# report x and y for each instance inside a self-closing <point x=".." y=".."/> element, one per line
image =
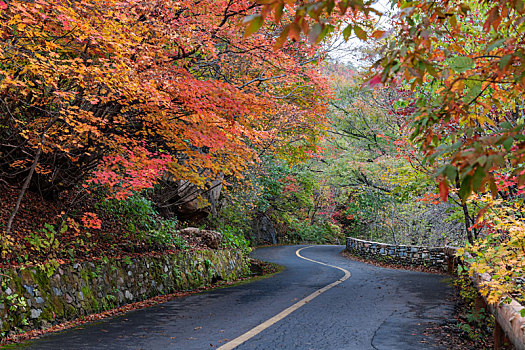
<point x="23" y="191"/>
<point x="29" y="176"/>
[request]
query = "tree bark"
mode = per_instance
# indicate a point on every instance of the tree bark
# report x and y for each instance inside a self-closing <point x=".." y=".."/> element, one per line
<point x="23" y="191"/>
<point x="29" y="176"/>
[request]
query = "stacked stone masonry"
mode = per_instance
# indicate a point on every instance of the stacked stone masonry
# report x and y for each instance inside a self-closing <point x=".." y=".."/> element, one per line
<point x="406" y="255"/>
<point x="38" y="297"/>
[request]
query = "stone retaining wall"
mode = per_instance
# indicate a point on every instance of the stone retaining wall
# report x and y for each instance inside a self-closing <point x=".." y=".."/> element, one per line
<point x="407" y="255"/>
<point x="37" y="297"/>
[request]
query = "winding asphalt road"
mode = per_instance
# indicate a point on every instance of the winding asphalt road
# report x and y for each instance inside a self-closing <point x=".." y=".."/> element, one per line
<point x="373" y="308"/>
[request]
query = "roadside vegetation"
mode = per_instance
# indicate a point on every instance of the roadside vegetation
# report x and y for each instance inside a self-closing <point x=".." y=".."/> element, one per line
<point x="123" y="122"/>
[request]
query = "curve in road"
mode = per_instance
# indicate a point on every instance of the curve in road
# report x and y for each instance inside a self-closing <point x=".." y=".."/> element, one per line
<point x="376" y="308"/>
<point x="256" y="330"/>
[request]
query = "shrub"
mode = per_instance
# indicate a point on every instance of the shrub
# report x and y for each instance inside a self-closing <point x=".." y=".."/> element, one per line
<point x="233" y="237"/>
<point x="319" y="232"/>
<point x="141" y="219"/>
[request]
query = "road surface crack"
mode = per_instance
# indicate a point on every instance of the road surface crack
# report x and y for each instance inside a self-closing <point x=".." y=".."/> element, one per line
<point x="378" y="328"/>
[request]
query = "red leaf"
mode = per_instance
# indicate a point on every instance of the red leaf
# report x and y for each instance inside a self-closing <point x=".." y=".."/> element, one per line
<point x="443" y="190"/>
<point x="376" y="79"/>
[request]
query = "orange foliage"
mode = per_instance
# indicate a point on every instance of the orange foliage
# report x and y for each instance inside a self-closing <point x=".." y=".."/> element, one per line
<point x="91" y="80"/>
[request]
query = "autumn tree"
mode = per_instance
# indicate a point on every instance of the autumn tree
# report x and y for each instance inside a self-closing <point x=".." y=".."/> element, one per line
<point x="387" y="193"/>
<point x="470" y="51"/>
<point x="463" y="62"/>
<point x="121" y="94"/>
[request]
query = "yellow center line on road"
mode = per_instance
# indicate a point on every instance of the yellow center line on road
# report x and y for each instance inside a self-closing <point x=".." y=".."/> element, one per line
<point x="266" y="324"/>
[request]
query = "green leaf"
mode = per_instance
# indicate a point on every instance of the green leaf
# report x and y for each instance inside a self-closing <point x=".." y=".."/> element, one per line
<point x="474" y="89"/>
<point x="495" y="44"/>
<point x="482" y="160"/>
<point x="461" y="64"/>
<point x="504" y="61"/>
<point x="360" y="33"/>
<point x="326" y="30"/>
<point x="505" y="125"/>
<point x="508" y="143"/>
<point x="63" y="228"/>
<point x="347" y="32"/>
<point x="450" y="172"/>
<point x="315" y="33"/>
<point x="254" y="24"/>
<point x="477" y="179"/>
<point x="465" y="188"/>
<point x="430" y="69"/>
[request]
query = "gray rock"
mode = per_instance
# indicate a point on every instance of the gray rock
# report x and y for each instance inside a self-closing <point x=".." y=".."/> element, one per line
<point x="35" y="313"/>
<point x="29" y="290"/>
<point x="211" y="238"/>
<point x="69" y="299"/>
<point x="120" y="297"/>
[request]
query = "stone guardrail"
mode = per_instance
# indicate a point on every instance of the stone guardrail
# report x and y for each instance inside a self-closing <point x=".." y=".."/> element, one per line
<point x="509" y="323"/>
<point x="406" y="255"/>
<point x="38" y="297"/>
